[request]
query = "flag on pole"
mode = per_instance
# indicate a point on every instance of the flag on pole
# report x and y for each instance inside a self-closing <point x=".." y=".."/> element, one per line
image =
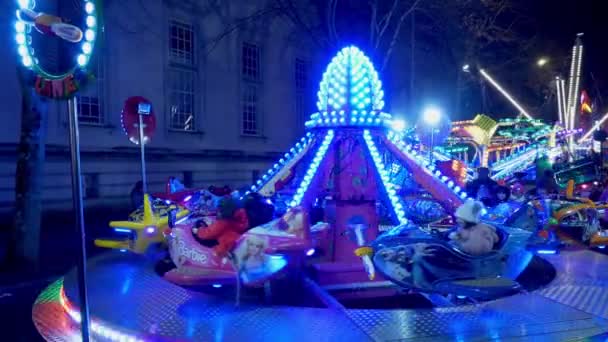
<point x="585" y="103"/>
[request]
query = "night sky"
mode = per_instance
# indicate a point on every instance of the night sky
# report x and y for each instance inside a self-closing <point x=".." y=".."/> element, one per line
<point x="558" y="23"/>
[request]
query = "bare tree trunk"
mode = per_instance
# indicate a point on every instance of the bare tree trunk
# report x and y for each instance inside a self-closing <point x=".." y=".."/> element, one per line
<point x="25" y="237"/>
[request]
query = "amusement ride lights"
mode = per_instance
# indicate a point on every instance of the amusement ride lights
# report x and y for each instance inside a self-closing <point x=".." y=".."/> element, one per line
<point x="560" y="109"/>
<point x="592" y="129"/>
<point x="573" y="86"/>
<point x="350" y="88"/>
<point x="428" y="167"/>
<point x="562" y="86"/>
<point x="312" y="169"/>
<point x="389" y="188"/>
<point x="293" y="153"/>
<point x="104" y="331"/>
<point x="504" y="93"/>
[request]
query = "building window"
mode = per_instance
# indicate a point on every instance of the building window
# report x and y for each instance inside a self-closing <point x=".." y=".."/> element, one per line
<point x="250" y="61"/>
<point x="89" y="110"/>
<point x="250" y="110"/>
<point x="181" y="99"/>
<point x="181" y="42"/>
<point x="91" y="99"/>
<point x="301" y="74"/>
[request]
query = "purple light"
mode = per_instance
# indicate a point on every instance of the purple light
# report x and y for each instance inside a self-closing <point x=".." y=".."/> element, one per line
<point x="217" y="286"/>
<point x="189" y="197"/>
<point x="150" y="230"/>
<point x="310" y="252"/>
<point x="546" y="251"/>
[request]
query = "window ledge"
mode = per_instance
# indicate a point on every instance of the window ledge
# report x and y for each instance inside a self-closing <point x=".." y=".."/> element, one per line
<point x="196" y="132"/>
<point x="91" y="125"/>
<point x="254" y="136"/>
<point x="96" y="125"/>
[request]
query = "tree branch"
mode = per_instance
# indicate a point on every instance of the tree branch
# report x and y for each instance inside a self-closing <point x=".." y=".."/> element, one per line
<point x="385" y="22"/>
<point x="372" y="22"/>
<point x="395" y="37"/>
<point x="212" y="44"/>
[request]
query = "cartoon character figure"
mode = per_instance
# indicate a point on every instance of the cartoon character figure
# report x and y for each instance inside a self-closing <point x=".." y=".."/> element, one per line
<point x="232" y="222"/>
<point x="50" y="25"/>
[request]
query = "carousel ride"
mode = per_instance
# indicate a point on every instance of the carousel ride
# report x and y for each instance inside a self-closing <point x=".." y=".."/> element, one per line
<point x="362" y="209"/>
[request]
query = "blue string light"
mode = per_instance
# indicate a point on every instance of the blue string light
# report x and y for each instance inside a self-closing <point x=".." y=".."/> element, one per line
<point x="430" y="169"/>
<point x="287" y="158"/>
<point x="389" y="188"/>
<point x="312" y="169"/>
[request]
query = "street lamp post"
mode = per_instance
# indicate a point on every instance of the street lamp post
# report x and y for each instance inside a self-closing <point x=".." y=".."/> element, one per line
<point x="431" y="116"/>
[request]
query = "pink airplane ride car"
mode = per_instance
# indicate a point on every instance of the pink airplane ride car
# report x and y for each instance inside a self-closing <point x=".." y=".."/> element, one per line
<point x="259" y="254"/>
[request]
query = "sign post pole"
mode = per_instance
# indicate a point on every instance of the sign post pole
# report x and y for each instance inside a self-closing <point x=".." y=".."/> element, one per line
<point x="79" y="216"/>
<point x="142" y="151"/>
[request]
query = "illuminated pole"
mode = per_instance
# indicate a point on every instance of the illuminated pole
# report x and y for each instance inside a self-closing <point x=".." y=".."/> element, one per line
<point x="592" y="129"/>
<point x="573" y="86"/>
<point x="505" y="93"/>
<point x="562" y="86"/>
<point x="559" y="100"/>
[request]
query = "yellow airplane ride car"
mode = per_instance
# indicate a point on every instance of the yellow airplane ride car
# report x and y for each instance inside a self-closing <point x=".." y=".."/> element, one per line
<point x="144" y="229"/>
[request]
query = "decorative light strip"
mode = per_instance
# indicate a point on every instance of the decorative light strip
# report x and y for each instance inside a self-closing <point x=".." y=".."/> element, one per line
<point x="104" y="331"/>
<point x="505" y="161"/>
<point x="505" y="94"/>
<point x="384" y="177"/>
<point x="576" y="91"/>
<point x="592" y="129"/>
<point x="571" y="84"/>
<point x="560" y="110"/>
<point x="567" y="132"/>
<point x="510" y="167"/>
<point x="312" y="169"/>
<point x="562" y="85"/>
<point x="293" y="152"/>
<point x="423" y="162"/>
<point x="357" y="118"/>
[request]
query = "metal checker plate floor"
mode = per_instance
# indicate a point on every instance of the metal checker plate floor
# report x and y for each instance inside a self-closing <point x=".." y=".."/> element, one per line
<point x="125" y="292"/>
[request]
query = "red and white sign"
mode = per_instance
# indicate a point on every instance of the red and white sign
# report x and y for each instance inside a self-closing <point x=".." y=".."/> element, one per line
<point x="130" y="119"/>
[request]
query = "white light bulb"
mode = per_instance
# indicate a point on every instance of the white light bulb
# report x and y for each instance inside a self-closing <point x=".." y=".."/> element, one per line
<point x="20" y="27"/>
<point x="89" y="35"/>
<point x="91" y="21"/>
<point x="27" y="61"/>
<point x="82" y="60"/>
<point x="89" y="7"/>
<point x="22" y="50"/>
<point x="20" y="38"/>
<point x="87" y="48"/>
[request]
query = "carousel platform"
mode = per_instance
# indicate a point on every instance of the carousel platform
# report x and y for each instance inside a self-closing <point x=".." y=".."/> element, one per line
<point x="130" y="302"/>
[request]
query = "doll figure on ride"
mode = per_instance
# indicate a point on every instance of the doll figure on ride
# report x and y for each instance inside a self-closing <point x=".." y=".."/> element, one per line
<point x="251" y="256"/>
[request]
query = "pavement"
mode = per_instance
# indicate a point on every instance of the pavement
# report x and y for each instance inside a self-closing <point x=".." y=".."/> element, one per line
<point x="59" y="250"/>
